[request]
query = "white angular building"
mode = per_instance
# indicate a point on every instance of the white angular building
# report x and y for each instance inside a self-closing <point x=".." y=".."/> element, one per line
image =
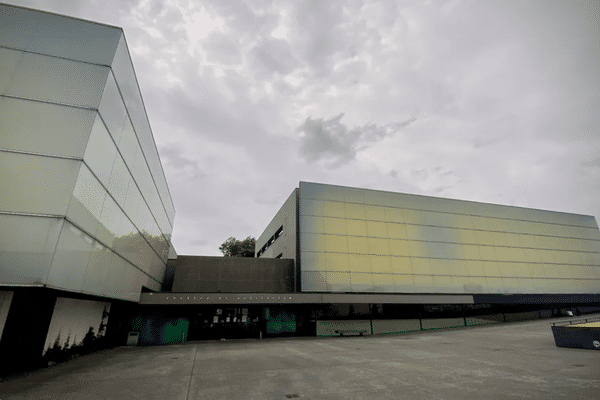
<point x="85" y="212"/>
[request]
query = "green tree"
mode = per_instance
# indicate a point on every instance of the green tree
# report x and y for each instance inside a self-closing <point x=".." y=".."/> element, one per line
<point x="238" y="248"/>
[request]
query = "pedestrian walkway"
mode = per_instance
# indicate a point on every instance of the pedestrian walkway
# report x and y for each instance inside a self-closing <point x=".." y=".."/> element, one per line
<point x="517" y="360"/>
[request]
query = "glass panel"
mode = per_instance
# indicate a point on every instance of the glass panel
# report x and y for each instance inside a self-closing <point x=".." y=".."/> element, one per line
<point x="113" y="222"/>
<point x="71" y="259"/>
<point x="44" y="128"/>
<point x="50" y="182"/>
<point x="119" y="181"/>
<point x="88" y="195"/>
<point x="9" y="63"/>
<point x="96" y="273"/>
<point x="42" y="32"/>
<point x="101" y="152"/>
<point x="121" y="280"/>
<point x="26" y="248"/>
<point x="127" y="83"/>
<point x="157" y="267"/>
<point x="112" y="109"/>
<point x="128" y="145"/>
<point x="55" y="80"/>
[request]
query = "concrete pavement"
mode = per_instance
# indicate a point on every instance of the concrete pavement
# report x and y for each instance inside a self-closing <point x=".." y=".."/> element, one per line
<point x="516" y="360"/>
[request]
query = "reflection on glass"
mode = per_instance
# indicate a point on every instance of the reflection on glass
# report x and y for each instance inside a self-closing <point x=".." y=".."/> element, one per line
<point x="71" y="259"/>
<point x="112" y="109"/>
<point x="101" y="152"/>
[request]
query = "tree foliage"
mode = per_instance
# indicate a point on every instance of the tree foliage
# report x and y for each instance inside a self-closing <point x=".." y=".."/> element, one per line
<point x="238" y="248"/>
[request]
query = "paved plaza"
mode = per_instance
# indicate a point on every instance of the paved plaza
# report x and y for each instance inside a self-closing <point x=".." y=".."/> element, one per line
<point x="516" y="360"/>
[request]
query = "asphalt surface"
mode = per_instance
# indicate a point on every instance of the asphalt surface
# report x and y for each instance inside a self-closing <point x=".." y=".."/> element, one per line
<point x="515" y="360"/>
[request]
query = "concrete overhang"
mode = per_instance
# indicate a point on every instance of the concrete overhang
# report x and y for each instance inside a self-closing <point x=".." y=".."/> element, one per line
<point x="299" y="298"/>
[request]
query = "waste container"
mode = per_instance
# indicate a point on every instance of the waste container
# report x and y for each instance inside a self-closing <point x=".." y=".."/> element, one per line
<point x="132" y="338"/>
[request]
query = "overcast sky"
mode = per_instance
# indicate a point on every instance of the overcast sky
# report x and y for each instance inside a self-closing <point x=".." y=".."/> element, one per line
<point x="488" y="101"/>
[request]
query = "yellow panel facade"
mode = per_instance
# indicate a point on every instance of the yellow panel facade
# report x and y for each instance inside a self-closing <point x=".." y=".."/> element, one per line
<point x="335" y="243"/>
<point x="390" y="241"/>
<point x="334" y="209"/>
<point x="401" y="265"/>
<point x="399" y="248"/>
<point x="379" y="246"/>
<point x="356" y="227"/>
<point x="334" y="226"/>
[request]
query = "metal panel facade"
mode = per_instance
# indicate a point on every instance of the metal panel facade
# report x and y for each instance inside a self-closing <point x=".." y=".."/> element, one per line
<point x="360" y="240"/>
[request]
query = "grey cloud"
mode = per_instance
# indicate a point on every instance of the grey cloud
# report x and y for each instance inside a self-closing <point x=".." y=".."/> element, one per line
<point x="272" y="55"/>
<point x="334" y="142"/>
<point x="173" y="158"/>
<point x="241" y="18"/>
<point x="222" y="49"/>
<point x="316" y="32"/>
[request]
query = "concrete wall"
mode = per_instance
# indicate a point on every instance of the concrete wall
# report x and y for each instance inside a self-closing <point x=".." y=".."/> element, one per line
<point x="198" y="274"/>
